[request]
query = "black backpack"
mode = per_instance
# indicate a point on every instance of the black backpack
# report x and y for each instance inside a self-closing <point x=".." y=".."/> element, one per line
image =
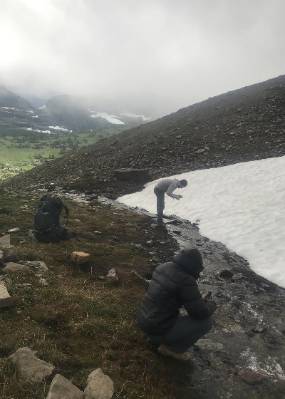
<point x="48" y="213"/>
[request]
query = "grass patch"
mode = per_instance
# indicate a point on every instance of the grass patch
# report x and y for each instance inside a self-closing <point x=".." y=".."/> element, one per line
<point x="80" y="322"/>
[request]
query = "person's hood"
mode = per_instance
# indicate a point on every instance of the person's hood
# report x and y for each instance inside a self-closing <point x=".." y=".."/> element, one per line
<point x="190" y="260"/>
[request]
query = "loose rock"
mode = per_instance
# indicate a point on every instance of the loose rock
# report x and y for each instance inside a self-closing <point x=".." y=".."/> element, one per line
<point x="112" y="275"/>
<point x="252" y="377"/>
<point x="99" y="386"/>
<point x="12" y="267"/>
<point x="14" y="230"/>
<point x="61" y="388"/>
<point x="5" y="241"/>
<point x="80" y="257"/>
<point x="30" y="368"/>
<point x="5" y="298"/>
<point x="37" y="266"/>
<point x="209" y="345"/>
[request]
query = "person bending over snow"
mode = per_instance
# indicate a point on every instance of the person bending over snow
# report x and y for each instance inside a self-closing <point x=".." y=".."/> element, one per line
<point x="167" y="186"/>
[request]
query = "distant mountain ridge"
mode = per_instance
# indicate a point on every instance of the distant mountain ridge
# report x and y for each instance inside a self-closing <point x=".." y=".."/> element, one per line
<point x="66" y="112"/>
<point x="10" y="99"/>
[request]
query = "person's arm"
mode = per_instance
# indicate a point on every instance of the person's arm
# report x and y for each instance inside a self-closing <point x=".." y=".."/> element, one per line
<point x="173" y="186"/>
<point x="193" y="302"/>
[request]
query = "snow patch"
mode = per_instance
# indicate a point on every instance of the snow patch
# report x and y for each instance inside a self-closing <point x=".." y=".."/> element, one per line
<point x="60" y="128"/>
<point x="240" y="205"/>
<point x="30" y="129"/>
<point x="113" y="119"/>
<point x="132" y="115"/>
<point x="10" y="108"/>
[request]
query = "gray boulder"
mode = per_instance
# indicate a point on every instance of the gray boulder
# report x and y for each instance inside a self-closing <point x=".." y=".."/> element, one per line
<point x="132" y="175"/>
<point x="61" y="388"/>
<point x="30" y="368"/>
<point x="36" y="266"/>
<point x="5" y="299"/>
<point x="12" y="267"/>
<point x="5" y="241"/>
<point x="99" y="386"/>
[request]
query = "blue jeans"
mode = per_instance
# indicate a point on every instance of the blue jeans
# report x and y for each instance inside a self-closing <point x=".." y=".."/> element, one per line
<point x="185" y="332"/>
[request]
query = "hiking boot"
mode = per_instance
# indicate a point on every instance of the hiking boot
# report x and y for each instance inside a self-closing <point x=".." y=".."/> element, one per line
<point x="185" y="356"/>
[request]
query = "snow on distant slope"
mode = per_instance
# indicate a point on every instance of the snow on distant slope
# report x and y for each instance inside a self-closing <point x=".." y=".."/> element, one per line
<point x="31" y="129"/>
<point x="109" y="118"/>
<point x="139" y="116"/>
<point x="241" y="205"/>
<point x="60" y="128"/>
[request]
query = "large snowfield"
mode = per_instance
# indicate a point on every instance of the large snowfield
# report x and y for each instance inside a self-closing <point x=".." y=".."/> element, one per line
<point x="241" y="205"/>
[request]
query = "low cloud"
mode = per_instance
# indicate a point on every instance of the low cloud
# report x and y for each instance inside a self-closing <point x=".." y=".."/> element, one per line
<point x="156" y="55"/>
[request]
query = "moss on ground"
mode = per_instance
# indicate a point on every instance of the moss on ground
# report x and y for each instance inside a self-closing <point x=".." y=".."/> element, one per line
<point x="79" y="321"/>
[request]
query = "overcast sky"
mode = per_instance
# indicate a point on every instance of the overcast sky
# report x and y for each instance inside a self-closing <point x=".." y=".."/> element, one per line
<point x="162" y="54"/>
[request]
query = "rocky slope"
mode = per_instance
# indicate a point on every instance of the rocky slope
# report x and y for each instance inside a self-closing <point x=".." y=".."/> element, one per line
<point x="241" y="125"/>
<point x="244" y="355"/>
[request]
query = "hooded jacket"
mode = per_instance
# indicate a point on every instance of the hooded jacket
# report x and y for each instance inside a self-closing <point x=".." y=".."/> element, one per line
<point x="172" y="286"/>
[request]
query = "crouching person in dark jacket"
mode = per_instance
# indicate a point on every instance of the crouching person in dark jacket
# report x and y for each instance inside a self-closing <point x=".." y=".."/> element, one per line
<point x="173" y="286"/>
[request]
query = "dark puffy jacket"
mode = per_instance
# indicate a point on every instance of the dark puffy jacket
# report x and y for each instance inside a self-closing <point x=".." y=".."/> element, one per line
<point x="172" y="286"/>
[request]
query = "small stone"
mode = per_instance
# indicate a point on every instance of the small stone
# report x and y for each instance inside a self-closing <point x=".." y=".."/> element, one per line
<point x="14" y="230"/>
<point x="252" y="377"/>
<point x="10" y="255"/>
<point x="99" y="386"/>
<point x="201" y="150"/>
<point x="43" y="282"/>
<point x="12" y="267"/>
<point x="238" y="276"/>
<point x="5" y="241"/>
<point x="209" y="345"/>
<point x="226" y="274"/>
<point x="80" y="257"/>
<point x="29" y="368"/>
<point x="61" y="388"/>
<point x="37" y="265"/>
<point x="259" y="328"/>
<point x="112" y="275"/>
<point x="6" y="300"/>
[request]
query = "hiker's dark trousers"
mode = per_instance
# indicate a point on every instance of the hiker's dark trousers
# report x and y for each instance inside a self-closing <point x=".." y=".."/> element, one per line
<point x="183" y="334"/>
<point x="160" y="203"/>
